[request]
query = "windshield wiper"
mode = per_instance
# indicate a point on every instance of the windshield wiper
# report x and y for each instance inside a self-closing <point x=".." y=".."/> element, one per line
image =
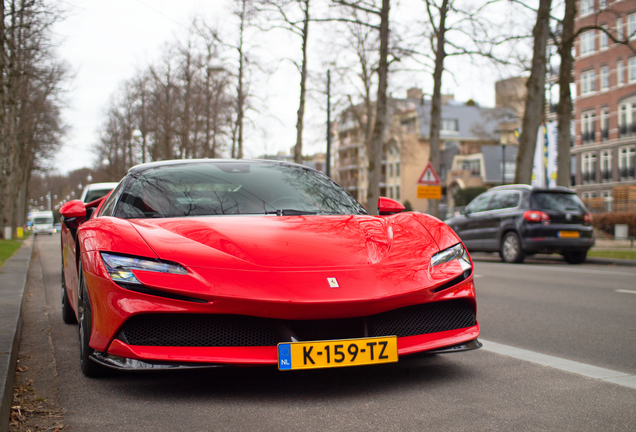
<point x="291" y="212"/>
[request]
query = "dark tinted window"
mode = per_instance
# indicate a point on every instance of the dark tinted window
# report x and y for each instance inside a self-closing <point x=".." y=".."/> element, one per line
<point x="229" y="188"/>
<point x="557" y="201"/>
<point x="479" y="204"/>
<point x="109" y="205"/>
<point x="504" y="200"/>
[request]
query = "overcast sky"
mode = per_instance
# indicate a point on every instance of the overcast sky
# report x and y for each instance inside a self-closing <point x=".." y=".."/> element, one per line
<point x="106" y="41"/>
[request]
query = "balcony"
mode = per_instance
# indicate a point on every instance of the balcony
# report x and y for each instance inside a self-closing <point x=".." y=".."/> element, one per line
<point x="606" y="175"/>
<point x="588" y="137"/>
<point x="588" y="177"/>
<point x="604" y="134"/>
<point x="627" y="129"/>
<point x="626" y="173"/>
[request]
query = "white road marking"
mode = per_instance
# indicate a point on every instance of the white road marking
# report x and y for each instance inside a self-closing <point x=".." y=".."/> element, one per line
<point x="625" y="291"/>
<point x="567" y="269"/>
<point x="612" y="376"/>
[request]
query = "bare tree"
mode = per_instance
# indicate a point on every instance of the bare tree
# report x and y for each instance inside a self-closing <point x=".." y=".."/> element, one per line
<point x="294" y="16"/>
<point x="535" y="101"/>
<point x="381" y="13"/>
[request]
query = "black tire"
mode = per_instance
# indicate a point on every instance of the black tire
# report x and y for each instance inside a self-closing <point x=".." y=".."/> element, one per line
<point x="575" y="257"/>
<point x="510" y="249"/>
<point x="68" y="314"/>
<point x="89" y="368"/>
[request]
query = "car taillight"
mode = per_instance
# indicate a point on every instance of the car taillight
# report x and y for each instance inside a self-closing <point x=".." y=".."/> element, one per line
<point x="587" y="219"/>
<point x="536" y="216"/>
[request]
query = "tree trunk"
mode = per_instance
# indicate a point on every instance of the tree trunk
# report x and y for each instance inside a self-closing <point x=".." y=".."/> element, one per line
<point x="564" y="110"/>
<point x="436" y="103"/>
<point x="535" y="102"/>
<point x="241" y="97"/>
<point x="298" y="149"/>
<point x="377" y="141"/>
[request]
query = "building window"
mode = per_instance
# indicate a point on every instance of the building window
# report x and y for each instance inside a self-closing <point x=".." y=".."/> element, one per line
<point x="587" y="43"/>
<point x="587" y="7"/>
<point x="397" y="192"/>
<point x="606" y="166"/>
<point x="631" y="26"/>
<point x="620" y="74"/>
<point x="604" y="39"/>
<point x="588" y="127"/>
<point x="588" y="168"/>
<point x="473" y="166"/>
<point x="619" y="28"/>
<point x="626" y="163"/>
<point x="587" y="82"/>
<point x="604" y="78"/>
<point x="397" y="169"/>
<point x="604" y="124"/>
<point x="450" y="125"/>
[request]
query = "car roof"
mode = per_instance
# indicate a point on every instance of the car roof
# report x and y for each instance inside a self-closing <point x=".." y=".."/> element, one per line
<point x="106" y="185"/>
<point x="559" y="189"/>
<point x="143" y="167"/>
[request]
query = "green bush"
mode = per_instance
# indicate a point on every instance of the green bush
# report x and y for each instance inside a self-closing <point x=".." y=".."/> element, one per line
<point x="464" y="196"/>
<point x="606" y="221"/>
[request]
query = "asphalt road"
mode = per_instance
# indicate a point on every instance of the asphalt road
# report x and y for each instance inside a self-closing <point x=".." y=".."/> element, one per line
<point x="571" y="312"/>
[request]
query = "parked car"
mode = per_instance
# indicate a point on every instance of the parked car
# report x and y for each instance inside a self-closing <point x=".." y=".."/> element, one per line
<point x="518" y="220"/>
<point x="43" y="222"/>
<point x="97" y="190"/>
<point x="205" y="263"/>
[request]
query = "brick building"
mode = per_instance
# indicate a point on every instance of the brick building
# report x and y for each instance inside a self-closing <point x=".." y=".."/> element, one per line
<point x="605" y="107"/>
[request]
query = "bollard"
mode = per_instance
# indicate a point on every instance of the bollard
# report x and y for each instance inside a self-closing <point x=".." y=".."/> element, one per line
<point x="7" y="233"/>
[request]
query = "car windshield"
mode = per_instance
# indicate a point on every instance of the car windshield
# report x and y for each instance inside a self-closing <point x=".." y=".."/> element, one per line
<point x="43" y="220"/>
<point x="231" y="188"/>
<point x="95" y="194"/>
<point x="564" y="202"/>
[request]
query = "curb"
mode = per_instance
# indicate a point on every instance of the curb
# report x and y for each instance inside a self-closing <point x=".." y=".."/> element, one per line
<point x="537" y="259"/>
<point x="13" y="279"/>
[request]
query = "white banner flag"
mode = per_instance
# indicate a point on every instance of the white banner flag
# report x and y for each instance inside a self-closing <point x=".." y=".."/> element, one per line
<point x="538" y="168"/>
<point x="551" y="165"/>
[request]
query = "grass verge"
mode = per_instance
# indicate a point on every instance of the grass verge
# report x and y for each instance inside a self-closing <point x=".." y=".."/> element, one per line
<point x="8" y="248"/>
<point x="616" y="254"/>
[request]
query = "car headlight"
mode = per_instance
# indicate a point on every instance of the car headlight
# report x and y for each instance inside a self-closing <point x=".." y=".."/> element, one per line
<point x="456" y="252"/>
<point x="120" y="267"/>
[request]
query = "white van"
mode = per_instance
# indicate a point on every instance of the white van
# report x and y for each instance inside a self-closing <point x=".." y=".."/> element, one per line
<point x="96" y="190"/>
<point x="42" y="222"/>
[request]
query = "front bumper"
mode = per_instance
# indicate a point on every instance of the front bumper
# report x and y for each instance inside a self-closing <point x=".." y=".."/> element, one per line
<point x="126" y="357"/>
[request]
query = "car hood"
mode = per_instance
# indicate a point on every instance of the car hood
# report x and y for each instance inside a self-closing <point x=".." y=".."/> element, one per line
<point x="290" y="242"/>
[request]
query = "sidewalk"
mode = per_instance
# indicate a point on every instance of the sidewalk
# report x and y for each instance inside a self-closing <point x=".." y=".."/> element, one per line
<point x="13" y="277"/>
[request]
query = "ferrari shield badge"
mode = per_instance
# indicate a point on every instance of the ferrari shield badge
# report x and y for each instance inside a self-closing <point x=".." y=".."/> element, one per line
<point x="333" y="283"/>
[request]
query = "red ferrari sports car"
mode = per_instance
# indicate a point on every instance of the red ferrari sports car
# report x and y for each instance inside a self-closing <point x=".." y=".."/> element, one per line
<point x="204" y="263"/>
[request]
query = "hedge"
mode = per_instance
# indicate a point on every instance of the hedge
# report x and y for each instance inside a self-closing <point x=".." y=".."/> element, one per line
<point x="606" y="221"/>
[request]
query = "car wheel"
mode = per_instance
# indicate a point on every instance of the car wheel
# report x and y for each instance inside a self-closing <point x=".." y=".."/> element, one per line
<point x="89" y="368"/>
<point x="68" y="314"/>
<point x="575" y="257"/>
<point x="510" y="250"/>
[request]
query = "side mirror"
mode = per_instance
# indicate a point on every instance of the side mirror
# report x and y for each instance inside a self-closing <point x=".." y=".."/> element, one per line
<point x="73" y="213"/>
<point x="387" y="206"/>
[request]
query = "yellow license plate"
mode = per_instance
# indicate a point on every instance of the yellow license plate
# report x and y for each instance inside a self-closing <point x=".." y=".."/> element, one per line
<point x="569" y="234"/>
<point x="337" y="353"/>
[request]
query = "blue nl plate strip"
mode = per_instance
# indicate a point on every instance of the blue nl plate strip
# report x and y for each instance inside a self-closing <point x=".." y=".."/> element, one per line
<point x="284" y="357"/>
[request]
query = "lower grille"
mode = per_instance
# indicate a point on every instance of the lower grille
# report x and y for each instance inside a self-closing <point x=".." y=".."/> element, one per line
<point x="238" y="330"/>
